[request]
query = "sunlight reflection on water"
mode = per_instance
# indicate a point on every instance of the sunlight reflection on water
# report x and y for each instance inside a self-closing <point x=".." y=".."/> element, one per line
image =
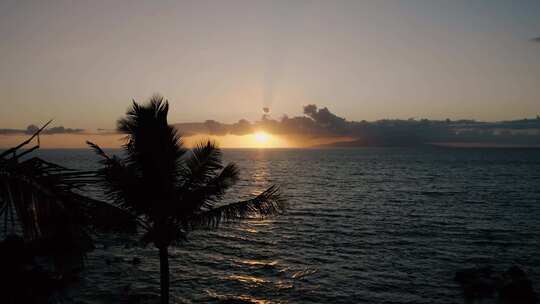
<point x="363" y="225"/>
<point x="238" y="299"/>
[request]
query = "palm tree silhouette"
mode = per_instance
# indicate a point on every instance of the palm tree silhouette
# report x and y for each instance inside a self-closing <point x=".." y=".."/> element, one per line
<point x="44" y="214"/>
<point x="169" y="189"/>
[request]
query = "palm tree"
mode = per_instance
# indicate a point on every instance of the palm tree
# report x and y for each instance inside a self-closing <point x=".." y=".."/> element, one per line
<point x="169" y="189"/>
<point x="43" y="213"/>
<point x="43" y="201"/>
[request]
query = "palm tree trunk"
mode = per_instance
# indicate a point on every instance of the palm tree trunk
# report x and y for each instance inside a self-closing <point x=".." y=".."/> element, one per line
<point x="164" y="271"/>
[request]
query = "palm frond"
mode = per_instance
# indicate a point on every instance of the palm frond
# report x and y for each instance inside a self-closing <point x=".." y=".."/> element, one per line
<point x="121" y="184"/>
<point x="24" y="143"/>
<point x="105" y="217"/>
<point x="153" y="147"/>
<point x="216" y="187"/>
<point x="269" y="202"/>
<point x="205" y="195"/>
<point x="202" y="164"/>
<point x="97" y="149"/>
<point x="43" y="200"/>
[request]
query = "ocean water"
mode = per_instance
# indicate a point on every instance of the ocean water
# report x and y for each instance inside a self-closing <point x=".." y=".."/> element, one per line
<point x="369" y="225"/>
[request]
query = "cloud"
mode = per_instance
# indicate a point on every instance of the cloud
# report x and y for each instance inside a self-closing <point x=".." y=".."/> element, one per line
<point x="322" y="123"/>
<point x="102" y="131"/>
<point x="212" y="127"/>
<point x="536" y="39"/>
<point x="31" y="129"/>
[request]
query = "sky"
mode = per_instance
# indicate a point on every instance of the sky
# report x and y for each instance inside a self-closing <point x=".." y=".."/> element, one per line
<point x="82" y="62"/>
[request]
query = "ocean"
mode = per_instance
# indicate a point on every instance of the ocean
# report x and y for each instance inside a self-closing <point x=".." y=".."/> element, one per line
<point x="366" y="225"/>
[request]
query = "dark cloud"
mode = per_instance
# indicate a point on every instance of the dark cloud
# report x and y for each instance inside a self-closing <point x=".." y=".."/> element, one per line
<point x="101" y="131"/>
<point x="11" y="131"/>
<point x="31" y="129"/>
<point x="323" y="117"/>
<point x="321" y="123"/>
<point x="212" y="127"/>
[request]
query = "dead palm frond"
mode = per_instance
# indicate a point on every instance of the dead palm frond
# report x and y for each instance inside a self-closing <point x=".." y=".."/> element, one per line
<point x="44" y="202"/>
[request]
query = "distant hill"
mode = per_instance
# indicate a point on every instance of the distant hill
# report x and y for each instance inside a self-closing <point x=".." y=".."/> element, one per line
<point x="321" y="123"/>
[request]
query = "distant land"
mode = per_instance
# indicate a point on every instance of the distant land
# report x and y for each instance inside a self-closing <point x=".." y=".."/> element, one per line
<point x="319" y="127"/>
<point x="321" y="123"/>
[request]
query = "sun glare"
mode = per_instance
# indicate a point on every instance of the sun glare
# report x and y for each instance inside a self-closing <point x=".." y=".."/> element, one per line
<point x="257" y="139"/>
<point x="261" y="137"/>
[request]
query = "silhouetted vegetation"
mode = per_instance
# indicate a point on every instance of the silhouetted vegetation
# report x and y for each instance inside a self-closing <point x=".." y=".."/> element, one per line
<point x="43" y="214"/>
<point x="169" y="189"/>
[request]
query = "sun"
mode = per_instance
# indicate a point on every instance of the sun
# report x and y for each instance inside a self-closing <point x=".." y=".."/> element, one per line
<point x="261" y="137"/>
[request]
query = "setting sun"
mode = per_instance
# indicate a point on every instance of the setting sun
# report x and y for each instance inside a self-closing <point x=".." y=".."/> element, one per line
<point x="261" y="137"/>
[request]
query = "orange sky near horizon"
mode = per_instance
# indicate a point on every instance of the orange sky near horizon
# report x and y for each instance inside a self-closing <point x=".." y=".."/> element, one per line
<point x="256" y="140"/>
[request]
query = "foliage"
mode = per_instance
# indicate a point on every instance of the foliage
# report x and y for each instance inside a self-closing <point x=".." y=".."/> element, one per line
<point x="43" y="202"/>
<point x="169" y="189"/>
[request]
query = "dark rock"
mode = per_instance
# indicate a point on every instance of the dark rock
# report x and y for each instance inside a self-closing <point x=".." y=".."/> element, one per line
<point x="477" y="282"/>
<point x="516" y="287"/>
<point x="136" y="261"/>
<point x="512" y="286"/>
